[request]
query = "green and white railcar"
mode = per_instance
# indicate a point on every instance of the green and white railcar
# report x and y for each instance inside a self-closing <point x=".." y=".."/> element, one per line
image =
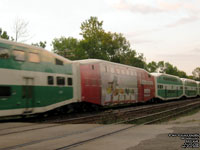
<point x="168" y="86"/>
<point x="33" y="80"/>
<point x="190" y="87"/>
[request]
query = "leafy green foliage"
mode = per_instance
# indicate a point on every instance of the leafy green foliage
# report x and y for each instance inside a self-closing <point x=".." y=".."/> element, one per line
<point x="98" y="44"/>
<point x="69" y="47"/>
<point x="165" y="67"/>
<point x="3" y="34"/>
<point x="40" y="44"/>
<point x="152" y="66"/>
<point x="196" y="73"/>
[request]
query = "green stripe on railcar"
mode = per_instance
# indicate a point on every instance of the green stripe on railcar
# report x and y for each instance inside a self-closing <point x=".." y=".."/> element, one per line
<point x="39" y="96"/>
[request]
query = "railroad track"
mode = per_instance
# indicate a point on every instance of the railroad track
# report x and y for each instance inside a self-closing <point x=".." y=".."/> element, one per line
<point x="116" y="116"/>
<point x="157" y="116"/>
<point x="125" y="114"/>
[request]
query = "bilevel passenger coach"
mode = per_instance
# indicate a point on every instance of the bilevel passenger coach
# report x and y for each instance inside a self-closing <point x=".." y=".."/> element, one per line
<point x="33" y="80"/>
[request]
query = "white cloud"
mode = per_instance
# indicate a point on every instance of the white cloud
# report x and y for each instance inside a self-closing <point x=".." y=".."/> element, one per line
<point x="184" y="20"/>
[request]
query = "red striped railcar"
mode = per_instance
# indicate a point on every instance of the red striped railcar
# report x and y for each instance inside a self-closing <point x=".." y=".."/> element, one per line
<point x="107" y="83"/>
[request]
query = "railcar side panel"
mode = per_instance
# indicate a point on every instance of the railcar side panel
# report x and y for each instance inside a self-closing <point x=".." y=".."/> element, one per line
<point x="168" y="87"/>
<point x="190" y="88"/>
<point x="90" y="83"/>
<point x="125" y="84"/>
<point x="33" y="80"/>
<point x="146" y="86"/>
<point x="119" y="85"/>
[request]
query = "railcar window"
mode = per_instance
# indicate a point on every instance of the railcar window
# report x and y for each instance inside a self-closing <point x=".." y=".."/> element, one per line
<point x="50" y="80"/>
<point x="130" y="72"/>
<point x="58" y="62"/>
<point x="34" y="57"/>
<point x="118" y="71"/>
<point x="112" y="70"/>
<point x="69" y="81"/>
<point x="60" y="80"/>
<point x="4" y="53"/>
<point x="105" y="68"/>
<point x="127" y="72"/>
<point x="160" y="86"/>
<point x="19" y="55"/>
<point x="5" y="91"/>
<point x="122" y="71"/>
<point x="92" y="67"/>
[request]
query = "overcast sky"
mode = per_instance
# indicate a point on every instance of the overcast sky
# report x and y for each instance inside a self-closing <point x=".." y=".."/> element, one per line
<point x="166" y="30"/>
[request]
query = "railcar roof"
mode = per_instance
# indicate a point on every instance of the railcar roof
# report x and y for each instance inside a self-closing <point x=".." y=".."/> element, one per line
<point x="184" y="79"/>
<point x="89" y="61"/>
<point x="35" y="48"/>
<point x="163" y="74"/>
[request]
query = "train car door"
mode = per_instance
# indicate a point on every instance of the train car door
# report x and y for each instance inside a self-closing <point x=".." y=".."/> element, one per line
<point x="27" y="94"/>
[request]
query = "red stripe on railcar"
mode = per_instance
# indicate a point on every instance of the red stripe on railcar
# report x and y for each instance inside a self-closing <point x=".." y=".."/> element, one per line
<point x="146" y="86"/>
<point x="90" y="83"/>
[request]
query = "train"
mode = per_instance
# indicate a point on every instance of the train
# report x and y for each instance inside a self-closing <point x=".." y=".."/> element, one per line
<point x="34" y="80"/>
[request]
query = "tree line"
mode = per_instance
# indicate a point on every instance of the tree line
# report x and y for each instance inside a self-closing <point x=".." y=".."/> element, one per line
<point x="98" y="44"/>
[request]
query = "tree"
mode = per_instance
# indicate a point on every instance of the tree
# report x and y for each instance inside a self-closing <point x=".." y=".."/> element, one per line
<point x="182" y="74"/>
<point x="94" y="38"/>
<point x="3" y="34"/>
<point x="165" y="67"/>
<point x="20" y="29"/>
<point x="133" y="59"/>
<point x="196" y="73"/>
<point x="40" y="44"/>
<point x="98" y="44"/>
<point x="152" y="66"/>
<point x="69" y="48"/>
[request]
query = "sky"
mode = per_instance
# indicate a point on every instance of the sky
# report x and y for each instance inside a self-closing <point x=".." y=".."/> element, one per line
<point x="163" y="30"/>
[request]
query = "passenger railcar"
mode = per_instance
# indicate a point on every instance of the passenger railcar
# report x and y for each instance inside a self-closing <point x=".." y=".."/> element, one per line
<point x="190" y="88"/>
<point x="168" y="87"/>
<point x="34" y="80"/>
<point x="107" y="83"/>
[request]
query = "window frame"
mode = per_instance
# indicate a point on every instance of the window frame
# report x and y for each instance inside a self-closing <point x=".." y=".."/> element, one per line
<point x="61" y="63"/>
<point x="36" y="54"/>
<point x="15" y="55"/>
<point x="7" y="52"/>
<point x="48" y="80"/>
<point x="9" y="91"/>
<point x="70" y="81"/>
<point x="58" y="82"/>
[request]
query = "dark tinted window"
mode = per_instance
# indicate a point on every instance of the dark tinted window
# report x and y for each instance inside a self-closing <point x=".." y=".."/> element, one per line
<point x="60" y="81"/>
<point x="59" y="62"/>
<point x="4" y="53"/>
<point x="50" y="80"/>
<point x="5" y="91"/>
<point x="69" y="81"/>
